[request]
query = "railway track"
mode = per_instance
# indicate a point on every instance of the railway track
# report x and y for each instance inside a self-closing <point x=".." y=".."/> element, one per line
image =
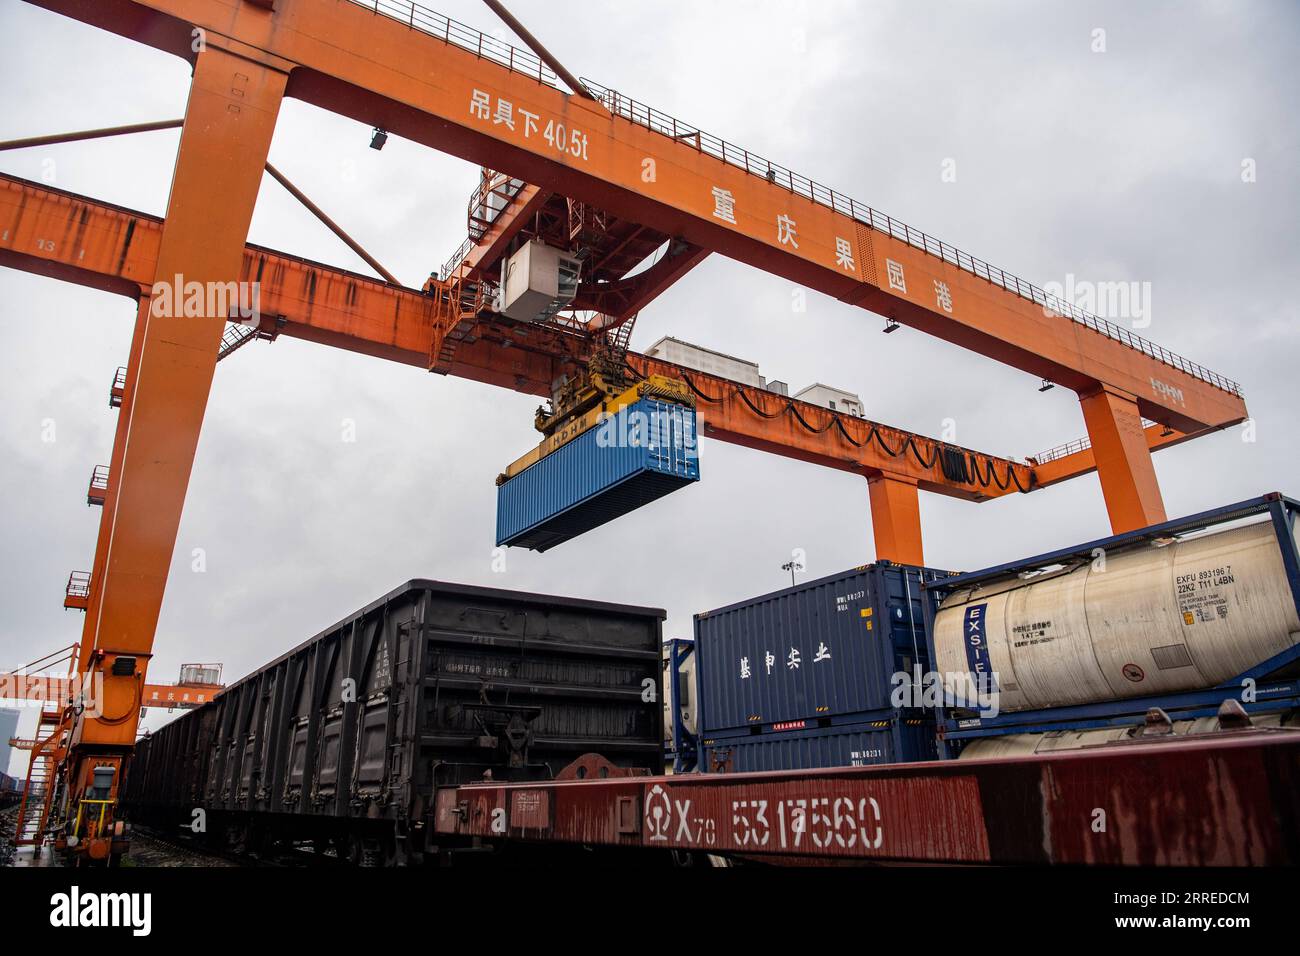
<point x="154" y="848"/>
<point x="150" y="847"/>
<point x="8" y="820"/>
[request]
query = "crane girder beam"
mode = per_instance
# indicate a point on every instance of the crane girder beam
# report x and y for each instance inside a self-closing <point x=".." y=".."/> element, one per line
<point x="487" y="252"/>
<point x="53" y="232"/>
<point x="1083" y="461"/>
<point x="727" y="412"/>
<point x="317" y="303"/>
<point x="629" y="296"/>
<point x="666" y="182"/>
<point x="56" y="233"/>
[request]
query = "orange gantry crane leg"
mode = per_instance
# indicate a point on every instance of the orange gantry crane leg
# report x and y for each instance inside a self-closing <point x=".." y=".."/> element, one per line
<point x="896" y="517"/>
<point x="229" y="120"/>
<point x="1123" y="457"/>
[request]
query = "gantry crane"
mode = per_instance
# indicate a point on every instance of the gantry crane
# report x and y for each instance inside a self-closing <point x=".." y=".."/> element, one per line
<point x="617" y="174"/>
<point x="65" y="698"/>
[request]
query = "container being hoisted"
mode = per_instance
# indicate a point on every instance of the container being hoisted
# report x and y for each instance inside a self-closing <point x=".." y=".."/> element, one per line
<point x="599" y="464"/>
<point x="1156" y="614"/>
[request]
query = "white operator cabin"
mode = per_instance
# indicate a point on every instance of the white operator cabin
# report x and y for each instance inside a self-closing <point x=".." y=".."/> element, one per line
<point x="538" y="281"/>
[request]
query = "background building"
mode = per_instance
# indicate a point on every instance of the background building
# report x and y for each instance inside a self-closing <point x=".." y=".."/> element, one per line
<point x="669" y="349"/>
<point x="8" y="728"/>
<point x="836" y="399"/>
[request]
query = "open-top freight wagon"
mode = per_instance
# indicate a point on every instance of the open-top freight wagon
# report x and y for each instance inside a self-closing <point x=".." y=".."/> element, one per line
<point x="342" y="741"/>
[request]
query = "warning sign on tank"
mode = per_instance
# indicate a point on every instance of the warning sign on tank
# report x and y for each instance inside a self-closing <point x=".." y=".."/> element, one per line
<point x="1203" y="595"/>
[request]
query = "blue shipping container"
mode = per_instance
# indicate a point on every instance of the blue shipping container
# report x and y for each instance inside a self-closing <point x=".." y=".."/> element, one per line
<point x="639" y="454"/>
<point x="892" y="740"/>
<point x="823" y="649"/>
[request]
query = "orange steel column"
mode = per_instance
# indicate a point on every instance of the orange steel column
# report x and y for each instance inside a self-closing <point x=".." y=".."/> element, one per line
<point x="1123" y="457"/>
<point x="87" y="647"/>
<point x="896" y="518"/>
<point x="229" y="121"/>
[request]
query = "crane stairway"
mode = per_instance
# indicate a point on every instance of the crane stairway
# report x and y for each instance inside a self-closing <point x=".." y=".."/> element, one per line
<point x="235" y="337"/>
<point x="38" y="789"/>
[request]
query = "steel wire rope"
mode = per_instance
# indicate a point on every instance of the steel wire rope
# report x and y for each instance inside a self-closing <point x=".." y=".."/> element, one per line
<point x="957" y="464"/>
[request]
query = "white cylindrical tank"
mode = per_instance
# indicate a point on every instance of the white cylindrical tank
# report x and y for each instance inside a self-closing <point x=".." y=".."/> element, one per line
<point x="1023" y="745"/>
<point x="686" y="681"/>
<point x="1153" y="619"/>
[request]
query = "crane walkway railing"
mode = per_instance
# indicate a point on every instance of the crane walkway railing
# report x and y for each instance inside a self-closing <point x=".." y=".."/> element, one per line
<point x="1069" y="448"/>
<point x="756" y="165"/>
<point x="528" y="64"/>
<point x="482" y="214"/>
<point x="467" y="38"/>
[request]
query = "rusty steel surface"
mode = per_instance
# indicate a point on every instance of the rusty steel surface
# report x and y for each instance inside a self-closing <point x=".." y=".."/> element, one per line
<point x="1220" y="802"/>
<point x="72" y="237"/>
<point x="327" y="46"/>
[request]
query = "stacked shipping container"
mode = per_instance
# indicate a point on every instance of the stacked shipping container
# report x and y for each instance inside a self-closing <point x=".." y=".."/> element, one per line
<point x="804" y="677"/>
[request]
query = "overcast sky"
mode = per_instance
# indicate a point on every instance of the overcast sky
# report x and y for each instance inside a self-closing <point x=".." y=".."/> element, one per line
<point x="1123" y="165"/>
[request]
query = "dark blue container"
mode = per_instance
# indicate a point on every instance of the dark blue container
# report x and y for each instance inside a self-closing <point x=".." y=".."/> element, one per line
<point x="642" y="453"/>
<point x="828" y="648"/>
<point x="893" y="739"/>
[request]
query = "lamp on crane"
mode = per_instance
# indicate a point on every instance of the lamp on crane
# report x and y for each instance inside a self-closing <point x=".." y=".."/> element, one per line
<point x="890" y="326"/>
<point x="378" y="138"/>
<point x="1046" y="386"/>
